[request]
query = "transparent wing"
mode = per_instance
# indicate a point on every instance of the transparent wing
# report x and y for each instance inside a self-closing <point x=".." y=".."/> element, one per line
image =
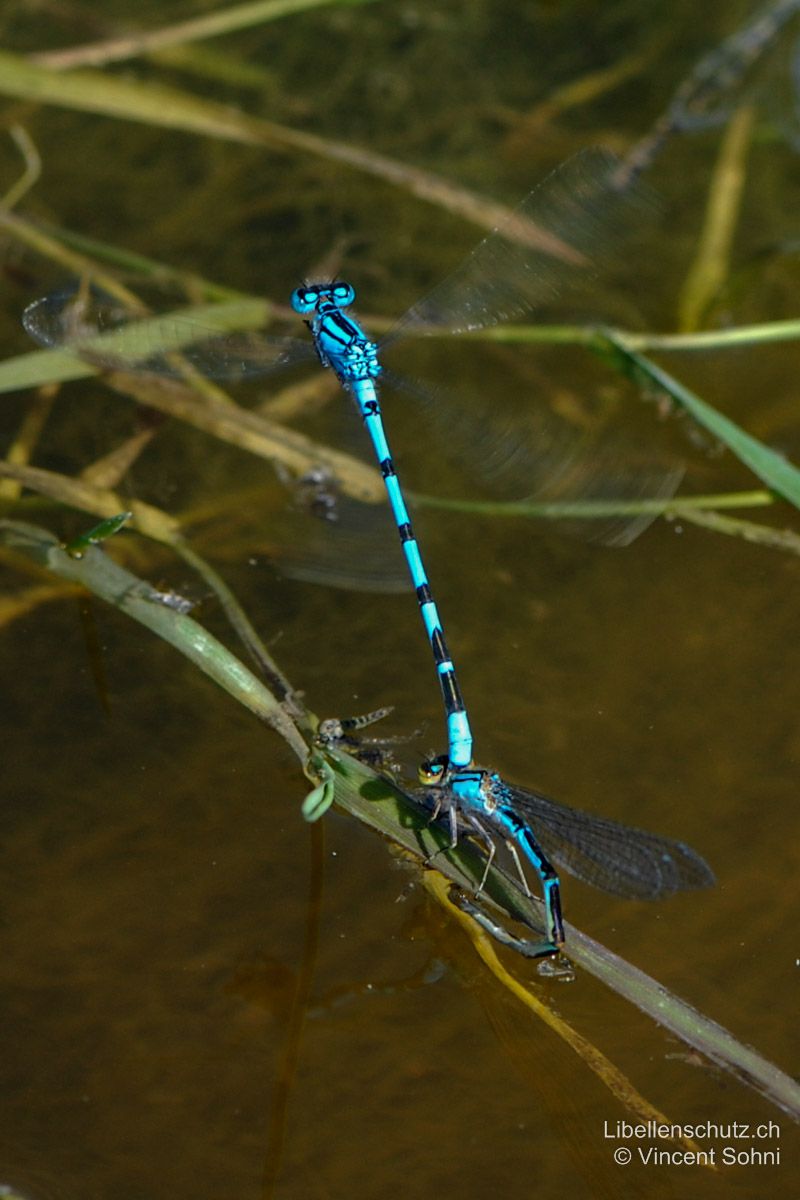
<point x="102" y="331"/>
<point x="324" y="537"/>
<point x="560" y="234"/>
<point x="350" y="545"/>
<point x="616" y="858"/>
<point x="588" y="472"/>
<point x="515" y="446"/>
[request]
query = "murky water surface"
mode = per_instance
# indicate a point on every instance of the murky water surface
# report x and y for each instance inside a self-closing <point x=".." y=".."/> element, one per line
<point x="156" y="869"/>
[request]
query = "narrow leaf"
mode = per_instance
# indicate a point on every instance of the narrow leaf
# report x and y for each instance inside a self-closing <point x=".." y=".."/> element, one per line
<point x="771" y="468"/>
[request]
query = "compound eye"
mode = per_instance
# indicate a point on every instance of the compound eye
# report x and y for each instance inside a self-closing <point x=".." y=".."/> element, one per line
<point x="431" y="771"/>
<point x="344" y="294"/>
<point x="304" y="299"/>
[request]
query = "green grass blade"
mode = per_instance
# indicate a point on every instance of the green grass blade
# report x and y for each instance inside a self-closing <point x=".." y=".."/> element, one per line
<point x="777" y="472"/>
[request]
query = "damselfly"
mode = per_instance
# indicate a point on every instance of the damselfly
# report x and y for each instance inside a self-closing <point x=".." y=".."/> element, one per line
<point x="619" y="859"/>
<point x="564" y="226"/>
<point x="628" y="861"/>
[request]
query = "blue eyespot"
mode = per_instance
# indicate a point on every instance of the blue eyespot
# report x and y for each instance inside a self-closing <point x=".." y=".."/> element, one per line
<point x="343" y="294"/>
<point x="305" y="299"/>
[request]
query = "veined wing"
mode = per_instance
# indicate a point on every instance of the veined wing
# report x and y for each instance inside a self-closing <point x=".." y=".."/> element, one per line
<point x="561" y="233"/>
<point x="617" y="858"/>
<point x="103" y="332"/>
<point x="354" y="547"/>
<point x="322" y="537"/>
<point x="524" y="451"/>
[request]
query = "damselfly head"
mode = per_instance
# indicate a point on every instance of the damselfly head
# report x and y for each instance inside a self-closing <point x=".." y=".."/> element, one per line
<point x="432" y="770"/>
<point x="306" y="299"/>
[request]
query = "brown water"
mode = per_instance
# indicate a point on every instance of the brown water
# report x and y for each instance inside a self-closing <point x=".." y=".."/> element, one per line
<point x="157" y="872"/>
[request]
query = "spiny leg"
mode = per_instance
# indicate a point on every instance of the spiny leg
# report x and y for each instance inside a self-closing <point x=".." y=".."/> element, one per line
<point x="512" y="849"/>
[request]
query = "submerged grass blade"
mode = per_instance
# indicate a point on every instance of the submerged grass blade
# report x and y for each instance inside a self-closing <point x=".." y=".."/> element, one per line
<point x="70" y="260"/>
<point x="22" y="447"/>
<point x="32" y="168"/>
<point x="594" y="509"/>
<point x="248" y="635"/>
<point x="238" y="426"/>
<point x="214" y="24"/>
<point x="101" y="502"/>
<point x="617" y="1083"/>
<point x="748" y="531"/>
<point x="255" y="433"/>
<point x="712" y="261"/>
<point x="22" y="603"/>
<point x="168" y="107"/>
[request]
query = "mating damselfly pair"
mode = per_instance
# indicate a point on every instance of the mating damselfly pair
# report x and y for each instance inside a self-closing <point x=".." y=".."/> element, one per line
<point x="558" y="232"/>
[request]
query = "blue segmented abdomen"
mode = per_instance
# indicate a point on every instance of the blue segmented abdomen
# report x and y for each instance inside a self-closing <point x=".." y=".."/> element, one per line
<point x="516" y="829"/>
<point x="458" y="731"/>
<point x="343" y="346"/>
